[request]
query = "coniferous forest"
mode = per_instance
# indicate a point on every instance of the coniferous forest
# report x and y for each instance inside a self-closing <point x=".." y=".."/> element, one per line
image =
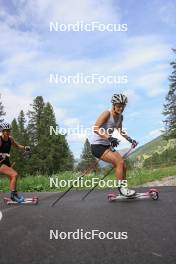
<point x="49" y="153"/>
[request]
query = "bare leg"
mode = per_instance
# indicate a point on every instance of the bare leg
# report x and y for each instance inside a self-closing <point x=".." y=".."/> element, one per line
<point x="120" y="170"/>
<point x="119" y="164"/>
<point x="12" y="174"/>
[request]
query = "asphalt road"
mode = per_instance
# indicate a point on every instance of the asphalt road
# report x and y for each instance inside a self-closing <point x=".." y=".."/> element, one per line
<point x="150" y="226"/>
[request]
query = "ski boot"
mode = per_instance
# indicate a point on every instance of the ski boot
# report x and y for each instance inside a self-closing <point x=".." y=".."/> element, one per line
<point x="17" y="198"/>
<point x="126" y="192"/>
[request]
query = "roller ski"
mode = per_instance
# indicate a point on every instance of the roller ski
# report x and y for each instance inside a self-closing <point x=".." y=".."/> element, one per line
<point x="150" y="194"/>
<point x="19" y="199"/>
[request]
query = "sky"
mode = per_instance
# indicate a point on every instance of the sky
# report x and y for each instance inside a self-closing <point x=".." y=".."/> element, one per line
<point x="30" y="52"/>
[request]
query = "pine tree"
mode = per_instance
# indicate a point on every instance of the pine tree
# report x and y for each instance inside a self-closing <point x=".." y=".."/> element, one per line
<point x="62" y="157"/>
<point x="50" y="153"/>
<point x="15" y="129"/>
<point x="22" y="128"/>
<point x="15" y="154"/>
<point x="20" y="135"/>
<point x="34" y="131"/>
<point x="35" y="116"/>
<point x="87" y="159"/>
<point x="2" y="113"/>
<point x="55" y="154"/>
<point x="170" y="105"/>
<point x="24" y="140"/>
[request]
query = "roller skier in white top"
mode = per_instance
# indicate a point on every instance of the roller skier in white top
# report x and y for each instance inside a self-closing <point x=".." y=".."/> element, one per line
<point x="103" y="142"/>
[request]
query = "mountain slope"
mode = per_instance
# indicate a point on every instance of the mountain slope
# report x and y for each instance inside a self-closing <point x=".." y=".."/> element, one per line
<point x="157" y="145"/>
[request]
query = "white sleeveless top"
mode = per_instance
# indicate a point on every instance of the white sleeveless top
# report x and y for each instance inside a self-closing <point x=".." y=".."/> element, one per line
<point x="108" y="127"/>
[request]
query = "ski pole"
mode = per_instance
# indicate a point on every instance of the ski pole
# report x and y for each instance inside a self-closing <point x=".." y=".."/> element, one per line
<point x="13" y="164"/>
<point x="62" y="195"/>
<point x="124" y="156"/>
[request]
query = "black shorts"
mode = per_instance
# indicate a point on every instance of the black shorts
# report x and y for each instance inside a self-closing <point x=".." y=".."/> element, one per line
<point x="98" y="150"/>
<point x="6" y="162"/>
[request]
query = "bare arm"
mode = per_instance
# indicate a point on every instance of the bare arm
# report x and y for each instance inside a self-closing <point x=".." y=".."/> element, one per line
<point x="122" y="132"/>
<point x="16" y="145"/>
<point x="102" y="119"/>
<point x="119" y="127"/>
<point x="128" y="138"/>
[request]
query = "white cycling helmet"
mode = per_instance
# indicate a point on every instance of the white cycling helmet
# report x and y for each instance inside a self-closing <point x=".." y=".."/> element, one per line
<point x="4" y="126"/>
<point x="119" y="99"/>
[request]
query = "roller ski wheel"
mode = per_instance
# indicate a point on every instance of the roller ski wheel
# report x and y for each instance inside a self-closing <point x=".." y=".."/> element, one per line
<point x="112" y="197"/>
<point x="154" y="194"/>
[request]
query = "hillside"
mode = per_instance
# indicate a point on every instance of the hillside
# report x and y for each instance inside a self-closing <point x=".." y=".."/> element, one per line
<point x="157" y="145"/>
<point x="141" y="154"/>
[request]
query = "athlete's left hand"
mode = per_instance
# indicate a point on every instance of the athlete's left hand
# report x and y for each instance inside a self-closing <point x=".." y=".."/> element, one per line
<point x="27" y="148"/>
<point x="133" y="142"/>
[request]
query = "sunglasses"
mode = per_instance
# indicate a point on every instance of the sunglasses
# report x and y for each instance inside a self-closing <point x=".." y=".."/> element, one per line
<point x="6" y="130"/>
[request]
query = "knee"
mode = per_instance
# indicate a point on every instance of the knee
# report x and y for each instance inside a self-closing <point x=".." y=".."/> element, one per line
<point x="120" y="163"/>
<point x="124" y="165"/>
<point x="14" y="175"/>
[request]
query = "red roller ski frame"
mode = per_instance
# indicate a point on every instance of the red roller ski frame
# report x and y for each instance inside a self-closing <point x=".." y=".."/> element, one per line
<point x="33" y="200"/>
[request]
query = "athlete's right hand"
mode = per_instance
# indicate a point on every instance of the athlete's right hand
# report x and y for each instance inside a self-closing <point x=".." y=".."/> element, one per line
<point x="114" y="142"/>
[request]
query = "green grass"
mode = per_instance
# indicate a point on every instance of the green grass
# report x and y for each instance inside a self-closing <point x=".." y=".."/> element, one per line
<point x="141" y="176"/>
<point x="42" y="183"/>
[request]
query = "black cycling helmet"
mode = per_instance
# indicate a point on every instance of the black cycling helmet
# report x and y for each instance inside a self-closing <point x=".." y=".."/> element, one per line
<point x="5" y="126"/>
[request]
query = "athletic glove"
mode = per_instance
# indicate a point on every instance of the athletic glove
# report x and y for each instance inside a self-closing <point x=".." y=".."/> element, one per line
<point x="27" y="148"/>
<point x="114" y="142"/>
<point x="132" y="141"/>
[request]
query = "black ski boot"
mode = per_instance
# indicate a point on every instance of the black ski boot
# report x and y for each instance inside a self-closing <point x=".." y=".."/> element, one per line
<point x="15" y="197"/>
